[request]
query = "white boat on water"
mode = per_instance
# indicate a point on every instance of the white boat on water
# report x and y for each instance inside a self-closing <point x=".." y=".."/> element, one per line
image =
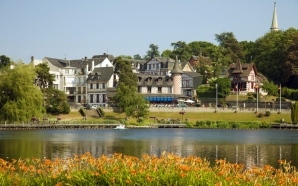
<point x="120" y="127"/>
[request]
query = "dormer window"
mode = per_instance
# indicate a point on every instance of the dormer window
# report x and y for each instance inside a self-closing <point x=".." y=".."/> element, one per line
<point x="139" y="79"/>
<point x="149" y="79"/>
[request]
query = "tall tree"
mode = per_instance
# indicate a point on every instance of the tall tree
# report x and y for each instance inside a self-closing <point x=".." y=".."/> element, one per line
<point x="43" y="79"/>
<point x="166" y="53"/>
<point x="273" y="50"/>
<point x="56" y="101"/>
<point x="4" y="61"/>
<point x="290" y="67"/>
<point x="248" y="47"/>
<point x="181" y="50"/>
<point x="137" y="56"/>
<point x="127" y="97"/>
<point x="200" y="48"/>
<point x="20" y="99"/>
<point x="153" y="52"/>
<point x="232" y="47"/>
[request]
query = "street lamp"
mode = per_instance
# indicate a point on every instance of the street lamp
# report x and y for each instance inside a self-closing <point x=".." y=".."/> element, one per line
<point x="216" y="98"/>
<point x="279" y="98"/>
<point x="182" y="112"/>
<point x="237" y="88"/>
<point x="257" y="89"/>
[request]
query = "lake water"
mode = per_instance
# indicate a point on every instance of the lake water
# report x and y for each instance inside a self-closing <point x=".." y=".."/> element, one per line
<point x="250" y="147"/>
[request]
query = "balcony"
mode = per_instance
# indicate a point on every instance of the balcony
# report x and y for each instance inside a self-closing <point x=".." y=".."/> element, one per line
<point x="70" y="92"/>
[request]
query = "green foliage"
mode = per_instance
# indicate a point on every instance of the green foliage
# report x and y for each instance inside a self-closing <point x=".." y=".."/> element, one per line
<point x="137" y="56"/>
<point x="20" y="100"/>
<point x="153" y="52"/>
<point x="223" y="85"/>
<point x="43" y="79"/>
<point x="56" y="101"/>
<point x="127" y="98"/>
<point x="205" y="91"/>
<point x="101" y="112"/>
<point x="181" y="50"/>
<point x="223" y="89"/>
<point x="271" y="88"/>
<point x="232" y="48"/>
<point x="290" y="93"/>
<point x="230" y="125"/>
<point x="4" y="61"/>
<point x="82" y="112"/>
<point x="275" y="56"/>
<point x="166" y="53"/>
<point x="267" y="113"/>
<point x="294" y="113"/>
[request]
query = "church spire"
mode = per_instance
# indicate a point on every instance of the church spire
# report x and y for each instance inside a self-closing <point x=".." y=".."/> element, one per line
<point x="274" y="25"/>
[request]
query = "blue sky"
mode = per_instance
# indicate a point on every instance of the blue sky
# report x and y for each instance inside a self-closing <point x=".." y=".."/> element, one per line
<point x="77" y="28"/>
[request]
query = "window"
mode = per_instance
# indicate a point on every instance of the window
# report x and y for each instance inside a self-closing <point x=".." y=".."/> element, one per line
<point x="148" y="89"/>
<point x="170" y="90"/>
<point x="153" y="66"/>
<point x="149" y="66"/>
<point x="66" y="71"/>
<point x="159" y="89"/>
<point x="97" y="86"/>
<point x="91" y="86"/>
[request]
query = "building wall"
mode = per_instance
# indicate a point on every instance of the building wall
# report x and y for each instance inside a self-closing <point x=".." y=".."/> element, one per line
<point x="177" y="83"/>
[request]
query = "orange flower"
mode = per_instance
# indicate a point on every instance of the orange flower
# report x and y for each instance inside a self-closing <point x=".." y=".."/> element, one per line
<point x="128" y="181"/>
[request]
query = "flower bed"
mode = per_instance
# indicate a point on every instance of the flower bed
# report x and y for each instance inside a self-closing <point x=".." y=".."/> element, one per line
<point x="148" y="170"/>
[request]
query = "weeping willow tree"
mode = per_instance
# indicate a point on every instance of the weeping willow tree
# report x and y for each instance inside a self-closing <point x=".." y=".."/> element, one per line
<point x="20" y="99"/>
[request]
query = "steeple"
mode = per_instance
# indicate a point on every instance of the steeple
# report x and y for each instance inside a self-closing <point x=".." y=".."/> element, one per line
<point x="274" y="25"/>
<point x="176" y="68"/>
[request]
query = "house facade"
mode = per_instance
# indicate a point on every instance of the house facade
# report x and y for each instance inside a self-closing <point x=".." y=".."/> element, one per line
<point x="92" y="81"/>
<point x="245" y="78"/>
<point x="74" y="77"/>
<point x="164" y="80"/>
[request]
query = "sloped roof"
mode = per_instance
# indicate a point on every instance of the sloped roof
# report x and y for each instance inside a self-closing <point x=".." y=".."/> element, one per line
<point x="177" y="68"/>
<point x="110" y="57"/>
<point x="78" y="63"/>
<point x="192" y="74"/>
<point x="61" y="63"/>
<point x="163" y="59"/>
<point x="157" y="80"/>
<point x="243" y="69"/>
<point x="136" y="61"/>
<point x="104" y="73"/>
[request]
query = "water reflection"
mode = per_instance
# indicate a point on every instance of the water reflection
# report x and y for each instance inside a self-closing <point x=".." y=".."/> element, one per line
<point x="251" y="147"/>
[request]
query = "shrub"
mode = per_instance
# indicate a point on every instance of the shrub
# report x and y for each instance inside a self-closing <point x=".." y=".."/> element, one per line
<point x="223" y="125"/>
<point x="82" y="112"/>
<point x="260" y="115"/>
<point x="100" y="112"/>
<point x="267" y="113"/>
<point x="250" y="98"/>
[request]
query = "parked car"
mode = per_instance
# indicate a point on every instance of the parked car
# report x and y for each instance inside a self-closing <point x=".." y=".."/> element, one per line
<point x="182" y="105"/>
<point x="94" y="107"/>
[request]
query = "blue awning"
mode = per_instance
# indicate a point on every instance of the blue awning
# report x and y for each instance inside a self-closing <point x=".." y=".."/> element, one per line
<point x="170" y="99"/>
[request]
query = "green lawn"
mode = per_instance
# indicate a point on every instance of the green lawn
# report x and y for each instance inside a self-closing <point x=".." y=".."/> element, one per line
<point x="190" y="116"/>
